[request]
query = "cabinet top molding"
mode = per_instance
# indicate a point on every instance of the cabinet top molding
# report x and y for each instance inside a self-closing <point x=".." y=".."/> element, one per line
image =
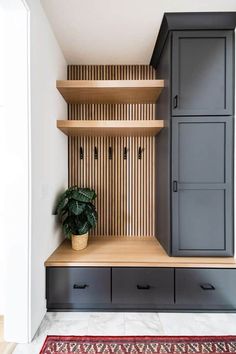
<point x="177" y="21"/>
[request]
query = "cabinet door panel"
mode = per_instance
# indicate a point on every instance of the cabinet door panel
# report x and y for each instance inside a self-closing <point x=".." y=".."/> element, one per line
<point x="75" y="287"/>
<point x="206" y="288"/>
<point x="202" y="78"/>
<point x="202" y="186"/>
<point x="202" y="222"/>
<point x="145" y="287"/>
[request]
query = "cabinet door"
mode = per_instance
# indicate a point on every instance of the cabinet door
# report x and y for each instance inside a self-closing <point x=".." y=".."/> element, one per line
<point x="202" y="76"/>
<point x="205" y="288"/>
<point x="142" y="287"/>
<point x="75" y="287"/>
<point x="202" y="186"/>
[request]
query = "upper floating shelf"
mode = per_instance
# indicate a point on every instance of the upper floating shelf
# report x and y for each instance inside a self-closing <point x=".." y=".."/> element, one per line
<point x="110" y="91"/>
<point x="110" y="127"/>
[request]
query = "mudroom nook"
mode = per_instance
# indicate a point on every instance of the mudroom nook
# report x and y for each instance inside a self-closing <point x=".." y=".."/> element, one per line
<point x="156" y="143"/>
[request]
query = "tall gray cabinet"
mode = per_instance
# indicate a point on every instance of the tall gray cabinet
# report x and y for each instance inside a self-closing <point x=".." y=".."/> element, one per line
<point x="195" y="150"/>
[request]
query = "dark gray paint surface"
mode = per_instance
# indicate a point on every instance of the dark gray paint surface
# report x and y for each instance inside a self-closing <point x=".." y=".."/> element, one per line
<point x="206" y="288"/>
<point x="202" y="159"/>
<point x="170" y="289"/>
<point x="202" y="73"/>
<point x="163" y="153"/>
<point x="142" y="286"/>
<point x="65" y="286"/>
<point x="173" y="21"/>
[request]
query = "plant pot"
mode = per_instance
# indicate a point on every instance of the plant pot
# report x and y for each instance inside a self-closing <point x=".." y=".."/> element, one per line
<point x="79" y="242"/>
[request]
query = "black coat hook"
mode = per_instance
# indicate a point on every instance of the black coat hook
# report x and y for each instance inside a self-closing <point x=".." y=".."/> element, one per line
<point x="81" y="153"/>
<point x="125" y="153"/>
<point x="95" y="153"/>
<point x="110" y="153"/>
<point x="139" y="153"/>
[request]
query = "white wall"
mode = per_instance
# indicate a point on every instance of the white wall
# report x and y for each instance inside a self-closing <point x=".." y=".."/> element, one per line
<point x="2" y="147"/>
<point x="15" y="169"/>
<point x="2" y="263"/>
<point x="48" y="153"/>
<point x="116" y="32"/>
<point x="35" y="162"/>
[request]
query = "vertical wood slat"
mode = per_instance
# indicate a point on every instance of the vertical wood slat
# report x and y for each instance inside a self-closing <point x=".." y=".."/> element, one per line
<point x="125" y="188"/>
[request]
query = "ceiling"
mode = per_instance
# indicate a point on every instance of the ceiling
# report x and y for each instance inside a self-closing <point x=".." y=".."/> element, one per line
<point x="115" y="31"/>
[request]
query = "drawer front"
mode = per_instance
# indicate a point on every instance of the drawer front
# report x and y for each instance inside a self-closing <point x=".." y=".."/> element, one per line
<point x="206" y="288"/>
<point x="71" y="287"/>
<point x="142" y="286"/>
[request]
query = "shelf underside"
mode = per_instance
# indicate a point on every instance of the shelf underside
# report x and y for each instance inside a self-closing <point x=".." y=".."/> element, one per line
<point x="129" y="251"/>
<point x="110" y="91"/>
<point x="110" y="127"/>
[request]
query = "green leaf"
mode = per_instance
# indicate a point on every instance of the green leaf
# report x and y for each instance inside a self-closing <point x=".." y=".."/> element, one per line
<point x="84" y="195"/>
<point x="92" y="218"/>
<point x="67" y="230"/>
<point x="61" y="204"/>
<point x="76" y="208"/>
<point x="84" y="228"/>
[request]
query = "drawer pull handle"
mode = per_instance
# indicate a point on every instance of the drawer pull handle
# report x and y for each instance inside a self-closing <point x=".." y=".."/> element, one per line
<point x="176" y="101"/>
<point x="207" y="286"/>
<point x="143" y="287"/>
<point x="175" y="186"/>
<point x="77" y="286"/>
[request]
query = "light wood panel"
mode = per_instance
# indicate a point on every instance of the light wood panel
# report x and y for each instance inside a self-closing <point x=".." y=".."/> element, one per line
<point x="110" y="127"/>
<point x="129" y="252"/>
<point x="125" y="187"/>
<point x="110" y="91"/>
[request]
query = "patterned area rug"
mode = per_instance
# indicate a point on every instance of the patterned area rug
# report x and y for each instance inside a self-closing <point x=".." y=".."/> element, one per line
<point x="137" y="345"/>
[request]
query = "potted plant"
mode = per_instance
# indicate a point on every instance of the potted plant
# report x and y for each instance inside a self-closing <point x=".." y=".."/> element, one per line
<point x="78" y="215"/>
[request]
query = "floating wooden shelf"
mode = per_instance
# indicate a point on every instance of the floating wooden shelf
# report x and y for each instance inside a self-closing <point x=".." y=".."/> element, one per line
<point x="110" y="91"/>
<point x="110" y="127"/>
<point x="129" y="251"/>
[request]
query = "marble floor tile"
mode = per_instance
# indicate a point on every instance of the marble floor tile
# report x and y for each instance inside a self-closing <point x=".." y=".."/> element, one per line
<point x="117" y="323"/>
<point x="143" y="324"/>
<point x="198" y="323"/>
<point x="68" y="316"/>
<point x="141" y="316"/>
<point x="106" y="324"/>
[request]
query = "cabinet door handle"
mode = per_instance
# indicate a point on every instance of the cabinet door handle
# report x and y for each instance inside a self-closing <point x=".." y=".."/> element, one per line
<point x="176" y="101"/>
<point x="175" y="186"/>
<point x="143" y="287"/>
<point x="207" y="286"/>
<point x="78" y="286"/>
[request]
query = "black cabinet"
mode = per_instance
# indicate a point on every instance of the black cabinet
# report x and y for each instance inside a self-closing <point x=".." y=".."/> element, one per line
<point x="202" y="167"/>
<point x="206" y="288"/>
<point x="194" y="173"/>
<point x="142" y="287"/>
<point x="74" y="287"/>
<point x="202" y="80"/>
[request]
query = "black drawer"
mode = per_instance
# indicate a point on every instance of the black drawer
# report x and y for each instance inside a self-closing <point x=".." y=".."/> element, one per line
<point x="206" y="288"/>
<point x="145" y="287"/>
<point x="75" y="287"/>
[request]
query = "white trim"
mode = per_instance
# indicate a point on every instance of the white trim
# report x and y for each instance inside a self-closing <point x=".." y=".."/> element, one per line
<point x="29" y="168"/>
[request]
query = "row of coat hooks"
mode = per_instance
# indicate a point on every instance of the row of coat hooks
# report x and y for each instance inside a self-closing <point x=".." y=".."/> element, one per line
<point x="125" y="150"/>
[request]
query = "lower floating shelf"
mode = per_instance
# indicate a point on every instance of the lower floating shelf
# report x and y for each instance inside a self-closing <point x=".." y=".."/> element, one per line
<point x="110" y="127"/>
<point x="128" y="251"/>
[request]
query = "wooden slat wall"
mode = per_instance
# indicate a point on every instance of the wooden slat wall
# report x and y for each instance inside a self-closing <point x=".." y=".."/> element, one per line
<point x="125" y="188"/>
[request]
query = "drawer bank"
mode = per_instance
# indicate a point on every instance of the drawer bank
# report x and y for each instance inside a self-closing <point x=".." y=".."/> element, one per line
<point x="74" y="288"/>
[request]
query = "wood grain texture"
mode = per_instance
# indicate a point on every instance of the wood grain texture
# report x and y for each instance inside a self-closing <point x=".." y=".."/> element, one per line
<point x="125" y="187"/>
<point x="110" y="127"/>
<point x="110" y="91"/>
<point x="129" y="252"/>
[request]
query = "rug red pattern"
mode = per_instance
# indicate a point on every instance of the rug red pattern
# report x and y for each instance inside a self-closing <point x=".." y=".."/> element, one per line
<point x="139" y="344"/>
